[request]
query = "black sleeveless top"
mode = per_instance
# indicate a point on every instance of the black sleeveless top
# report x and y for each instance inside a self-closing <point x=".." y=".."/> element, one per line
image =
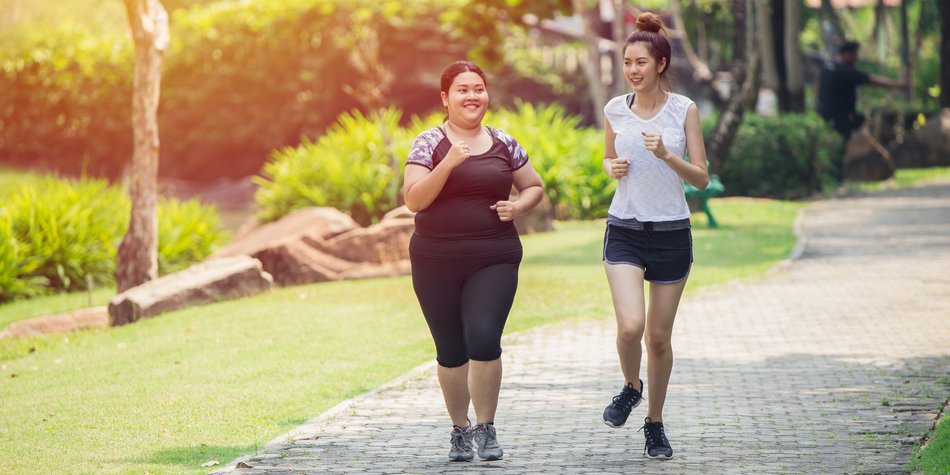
<point x="460" y="221"/>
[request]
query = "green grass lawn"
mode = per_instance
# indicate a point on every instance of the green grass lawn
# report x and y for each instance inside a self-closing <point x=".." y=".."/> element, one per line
<point x="211" y="383"/>
<point x="934" y="459"/>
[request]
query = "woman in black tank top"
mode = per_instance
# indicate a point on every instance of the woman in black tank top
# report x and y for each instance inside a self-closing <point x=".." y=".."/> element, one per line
<point x="465" y="251"/>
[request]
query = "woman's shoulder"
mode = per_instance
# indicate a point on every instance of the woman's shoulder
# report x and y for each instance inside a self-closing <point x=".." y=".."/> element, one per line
<point x="430" y="137"/>
<point x="501" y="135"/>
<point x="619" y="101"/>
<point x="680" y="100"/>
<point x="679" y="104"/>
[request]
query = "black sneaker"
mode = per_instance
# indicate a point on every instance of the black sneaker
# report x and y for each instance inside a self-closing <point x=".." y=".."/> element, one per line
<point x="616" y="414"/>
<point x="657" y="446"/>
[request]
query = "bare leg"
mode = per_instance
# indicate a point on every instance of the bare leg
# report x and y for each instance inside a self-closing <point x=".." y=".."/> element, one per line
<point x="484" y="382"/>
<point x="454" y="382"/>
<point x="664" y="300"/>
<point x="626" y="288"/>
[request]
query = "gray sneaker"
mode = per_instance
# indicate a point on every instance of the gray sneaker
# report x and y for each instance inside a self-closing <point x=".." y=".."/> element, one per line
<point x="486" y="442"/>
<point x="461" y="450"/>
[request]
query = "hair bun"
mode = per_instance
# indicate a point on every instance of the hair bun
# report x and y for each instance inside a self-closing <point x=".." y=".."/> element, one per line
<point x="649" y="22"/>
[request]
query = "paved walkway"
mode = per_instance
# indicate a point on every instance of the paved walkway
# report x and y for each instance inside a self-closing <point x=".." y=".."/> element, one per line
<point x="834" y="363"/>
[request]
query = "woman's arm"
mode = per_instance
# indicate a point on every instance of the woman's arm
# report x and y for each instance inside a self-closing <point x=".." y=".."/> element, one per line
<point x="614" y="166"/>
<point x="694" y="171"/>
<point x="421" y="186"/>
<point x="530" y="192"/>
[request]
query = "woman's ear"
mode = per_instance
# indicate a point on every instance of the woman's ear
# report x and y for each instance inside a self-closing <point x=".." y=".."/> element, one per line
<point x="662" y="67"/>
<point x="445" y="99"/>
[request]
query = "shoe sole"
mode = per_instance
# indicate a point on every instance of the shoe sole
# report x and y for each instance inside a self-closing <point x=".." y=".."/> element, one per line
<point x="659" y="457"/>
<point x="460" y="459"/>
<point x="490" y="458"/>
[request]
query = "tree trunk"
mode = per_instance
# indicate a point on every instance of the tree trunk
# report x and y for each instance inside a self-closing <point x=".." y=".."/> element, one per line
<point x="905" y="49"/>
<point x="619" y="84"/>
<point x="944" y="8"/>
<point x="766" y="37"/>
<point x="879" y="37"/>
<point x="794" y="69"/>
<point x="701" y="71"/>
<point x="745" y="65"/>
<point x="138" y="253"/>
<point x="832" y="34"/>
<point x="592" y="67"/>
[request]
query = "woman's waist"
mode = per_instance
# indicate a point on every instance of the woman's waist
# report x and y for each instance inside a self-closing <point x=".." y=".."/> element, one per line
<point x="463" y="247"/>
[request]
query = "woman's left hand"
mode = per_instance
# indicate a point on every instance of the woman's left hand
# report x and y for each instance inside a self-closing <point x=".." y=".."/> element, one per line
<point x="506" y="210"/>
<point x="654" y="143"/>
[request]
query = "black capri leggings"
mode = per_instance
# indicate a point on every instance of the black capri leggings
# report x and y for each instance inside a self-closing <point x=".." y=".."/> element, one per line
<point x="466" y="303"/>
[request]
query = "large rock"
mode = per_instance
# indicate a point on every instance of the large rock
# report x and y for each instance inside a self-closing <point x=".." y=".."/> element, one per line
<point x="211" y="281"/>
<point x="385" y="242"/>
<point x="928" y="146"/>
<point x="301" y="259"/>
<point x="399" y="213"/>
<point x="93" y="317"/>
<point x="323" y="222"/>
<point x="865" y="159"/>
<point x="540" y="219"/>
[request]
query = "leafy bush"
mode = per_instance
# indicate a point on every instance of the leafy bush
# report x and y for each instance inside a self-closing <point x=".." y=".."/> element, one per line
<point x="57" y="233"/>
<point x="187" y="233"/>
<point x="568" y="157"/>
<point x="788" y="156"/>
<point x="240" y="79"/>
<point x="351" y="168"/>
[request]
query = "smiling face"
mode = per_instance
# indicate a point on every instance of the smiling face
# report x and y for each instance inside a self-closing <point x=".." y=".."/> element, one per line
<point x="466" y="99"/>
<point x="640" y="67"/>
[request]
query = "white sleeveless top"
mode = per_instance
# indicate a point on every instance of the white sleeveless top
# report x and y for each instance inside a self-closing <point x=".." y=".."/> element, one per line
<point x="651" y="191"/>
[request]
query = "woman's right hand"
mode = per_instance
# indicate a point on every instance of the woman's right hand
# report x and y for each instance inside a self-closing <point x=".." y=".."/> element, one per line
<point x="459" y="152"/>
<point x="618" y="168"/>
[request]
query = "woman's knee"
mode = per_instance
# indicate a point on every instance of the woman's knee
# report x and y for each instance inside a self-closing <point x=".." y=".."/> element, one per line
<point x="630" y="331"/>
<point x="483" y="348"/>
<point x="659" y="343"/>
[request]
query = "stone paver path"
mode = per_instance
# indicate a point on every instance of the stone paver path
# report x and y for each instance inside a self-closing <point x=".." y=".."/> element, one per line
<point x="836" y="362"/>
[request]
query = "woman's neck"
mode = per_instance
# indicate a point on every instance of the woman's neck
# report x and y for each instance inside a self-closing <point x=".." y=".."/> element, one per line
<point x="463" y="131"/>
<point x="650" y="100"/>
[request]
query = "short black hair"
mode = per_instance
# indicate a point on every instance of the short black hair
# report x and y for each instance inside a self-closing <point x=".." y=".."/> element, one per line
<point x="849" y="47"/>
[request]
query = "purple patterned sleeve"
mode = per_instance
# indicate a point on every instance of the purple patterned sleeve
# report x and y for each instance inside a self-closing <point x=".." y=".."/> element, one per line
<point x="519" y="156"/>
<point x="423" y="148"/>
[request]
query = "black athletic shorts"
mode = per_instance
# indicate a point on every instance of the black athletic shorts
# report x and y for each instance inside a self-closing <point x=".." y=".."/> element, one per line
<point x="665" y="256"/>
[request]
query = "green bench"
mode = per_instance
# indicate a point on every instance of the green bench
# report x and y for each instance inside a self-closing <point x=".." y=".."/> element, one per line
<point x="714" y="188"/>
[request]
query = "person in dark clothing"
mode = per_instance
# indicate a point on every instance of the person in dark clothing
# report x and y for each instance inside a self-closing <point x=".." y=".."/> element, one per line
<point x="838" y="89"/>
<point x="465" y="251"/>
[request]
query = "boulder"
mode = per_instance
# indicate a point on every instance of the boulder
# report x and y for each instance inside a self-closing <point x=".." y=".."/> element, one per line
<point x="301" y="259"/>
<point x="210" y="281"/>
<point x="540" y="219"/>
<point x="865" y="159"/>
<point x="387" y="241"/>
<point x="323" y="222"/>
<point x="928" y="146"/>
<point x="93" y="317"/>
<point x="398" y="213"/>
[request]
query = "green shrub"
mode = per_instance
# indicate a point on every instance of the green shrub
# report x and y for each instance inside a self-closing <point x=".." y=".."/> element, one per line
<point x="568" y="157"/>
<point x="58" y="233"/>
<point x="789" y="156"/>
<point x="350" y="168"/>
<point x="67" y="230"/>
<point x="187" y="233"/>
<point x="240" y="79"/>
